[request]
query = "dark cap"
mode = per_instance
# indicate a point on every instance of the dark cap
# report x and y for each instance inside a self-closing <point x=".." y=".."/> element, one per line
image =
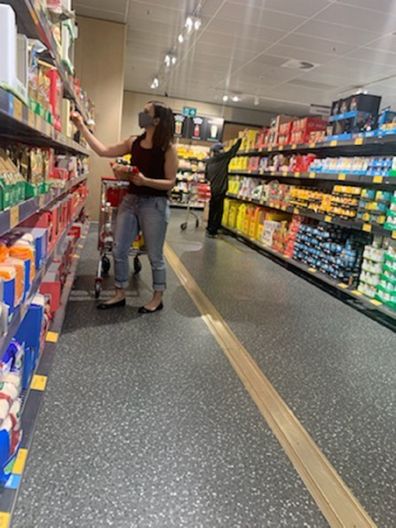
<point x="217" y="147"/>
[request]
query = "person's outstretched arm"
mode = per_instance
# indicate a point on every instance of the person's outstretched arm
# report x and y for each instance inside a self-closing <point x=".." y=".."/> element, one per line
<point x="97" y="146"/>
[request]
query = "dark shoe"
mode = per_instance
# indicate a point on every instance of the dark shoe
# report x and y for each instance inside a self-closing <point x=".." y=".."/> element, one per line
<point x="144" y="310"/>
<point x="110" y="306"/>
<point x="211" y="235"/>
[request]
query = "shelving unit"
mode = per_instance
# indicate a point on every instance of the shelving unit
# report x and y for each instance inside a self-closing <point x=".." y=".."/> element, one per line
<point x="348" y="224"/>
<point x="370" y="307"/>
<point x="373" y="145"/>
<point x="19" y="123"/>
<point x="33" y="22"/>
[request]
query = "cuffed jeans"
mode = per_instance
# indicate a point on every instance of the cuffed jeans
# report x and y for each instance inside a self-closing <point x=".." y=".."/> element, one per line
<point x="151" y="215"/>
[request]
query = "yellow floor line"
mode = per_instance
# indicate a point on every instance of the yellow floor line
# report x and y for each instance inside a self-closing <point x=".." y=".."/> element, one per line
<point x="335" y="500"/>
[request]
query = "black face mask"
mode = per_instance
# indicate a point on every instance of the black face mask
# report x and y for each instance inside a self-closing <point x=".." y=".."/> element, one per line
<point x="145" y="120"/>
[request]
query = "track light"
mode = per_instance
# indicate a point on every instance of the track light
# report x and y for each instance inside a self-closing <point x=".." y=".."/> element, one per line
<point x="180" y="38"/>
<point x="197" y="24"/>
<point x="170" y="59"/>
<point x="155" y="83"/>
<point x="189" y="24"/>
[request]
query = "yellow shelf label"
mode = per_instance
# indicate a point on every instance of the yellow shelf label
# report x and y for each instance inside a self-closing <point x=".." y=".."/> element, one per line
<point x="378" y="179"/>
<point x="357" y="293"/>
<point x="312" y="145"/>
<point x="342" y="176"/>
<point x="375" y="302"/>
<point x="297" y="174"/>
<point x="296" y="211"/>
<point x="312" y="270"/>
<point x="18" y="109"/>
<point x="261" y="171"/>
<point x="333" y="143"/>
<point x="367" y="228"/>
<point x="20" y="462"/>
<point x="394" y="235"/>
<point x="5" y="520"/>
<point x="328" y="219"/>
<point x="312" y="175"/>
<point x="285" y="173"/>
<point x="52" y="337"/>
<point x="294" y="146"/>
<point x="39" y="383"/>
<point x="14" y="216"/>
<point x="359" y="141"/>
<point x="270" y="148"/>
<point x="343" y="286"/>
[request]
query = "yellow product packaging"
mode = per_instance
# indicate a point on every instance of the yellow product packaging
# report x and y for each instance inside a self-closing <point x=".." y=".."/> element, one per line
<point x="226" y="212"/>
<point x="240" y="219"/>
<point x="232" y="215"/>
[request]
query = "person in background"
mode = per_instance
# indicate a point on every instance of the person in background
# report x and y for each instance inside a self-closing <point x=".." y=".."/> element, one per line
<point x="146" y="205"/>
<point x="216" y="172"/>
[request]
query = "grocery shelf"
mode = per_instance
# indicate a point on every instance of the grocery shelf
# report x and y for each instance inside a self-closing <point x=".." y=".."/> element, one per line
<point x="321" y="217"/>
<point x="370" y="307"/>
<point x="360" y="145"/>
<point x="11" y="218"/>
<point x="33" y="397"/>
<point x="21" y="311"/>
<point x="353" y="179"/>
<point x="18" y="123"/>
<point x="33" y="22"/>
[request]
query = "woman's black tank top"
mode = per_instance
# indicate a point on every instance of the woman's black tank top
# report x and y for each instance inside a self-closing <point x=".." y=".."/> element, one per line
<point x="151" y="163"/>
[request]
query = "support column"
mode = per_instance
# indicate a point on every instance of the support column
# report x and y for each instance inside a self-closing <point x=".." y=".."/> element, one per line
<point x="100" y="53"/>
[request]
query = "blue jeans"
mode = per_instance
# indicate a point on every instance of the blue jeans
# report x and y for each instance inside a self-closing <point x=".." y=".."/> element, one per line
<point x="151" y="215"/>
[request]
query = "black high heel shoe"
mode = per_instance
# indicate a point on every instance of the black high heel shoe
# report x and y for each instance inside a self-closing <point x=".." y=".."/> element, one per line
<point x="144" y="310"/>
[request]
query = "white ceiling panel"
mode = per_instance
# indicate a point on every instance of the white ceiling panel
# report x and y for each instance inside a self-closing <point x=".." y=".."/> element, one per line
<point x="380" y="22"/>
<point x="384" y="6"/>
<point x="301" y="54"/>
<point x="387" y="43"/>
<point x="317" y="28"/>
<point x="250" y="13"/>
<point x="318" y="44"/>
<point x="243" y="44"/>
<point x="305" y="8"/>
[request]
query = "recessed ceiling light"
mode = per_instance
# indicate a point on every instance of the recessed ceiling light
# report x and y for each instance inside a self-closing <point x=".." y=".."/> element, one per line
<point x="225" y="98"/>
<point x="236" y="99"/>
<point x="155" y="83"/>
<point x="197" y="24"/>
<point x="189" y="23"/>
<point x="180" y="38"/>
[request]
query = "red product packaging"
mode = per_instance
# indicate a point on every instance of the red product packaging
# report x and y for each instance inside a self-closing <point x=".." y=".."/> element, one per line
<point x="55" y="97"/>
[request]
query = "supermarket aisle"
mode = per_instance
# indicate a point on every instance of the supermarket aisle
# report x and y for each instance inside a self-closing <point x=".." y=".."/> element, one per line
<point x="146" y="424"/>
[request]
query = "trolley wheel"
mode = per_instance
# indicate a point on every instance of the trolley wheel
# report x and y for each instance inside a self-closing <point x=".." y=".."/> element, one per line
<point x="106" y="265"/>
<point x="98" y="288"/>
<point x="137" y="265"/>
<point x="183" y="227"/>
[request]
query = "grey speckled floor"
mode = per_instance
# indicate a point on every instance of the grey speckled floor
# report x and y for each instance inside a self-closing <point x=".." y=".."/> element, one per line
<point x="145" y="424"/>
<point x="335" y="367"/>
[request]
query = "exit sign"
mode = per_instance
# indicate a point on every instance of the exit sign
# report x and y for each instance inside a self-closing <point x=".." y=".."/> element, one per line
<point x="189" y="111"/>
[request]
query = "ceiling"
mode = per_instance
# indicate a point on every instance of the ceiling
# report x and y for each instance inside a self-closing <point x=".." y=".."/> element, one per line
<point x="243" y="45"/>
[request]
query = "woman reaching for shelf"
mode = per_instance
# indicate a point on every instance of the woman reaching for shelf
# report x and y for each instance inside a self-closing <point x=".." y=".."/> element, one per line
<point x="146" y="205"/>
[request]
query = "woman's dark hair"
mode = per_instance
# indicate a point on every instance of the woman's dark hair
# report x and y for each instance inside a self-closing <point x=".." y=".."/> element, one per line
<point x="165" y="130"/>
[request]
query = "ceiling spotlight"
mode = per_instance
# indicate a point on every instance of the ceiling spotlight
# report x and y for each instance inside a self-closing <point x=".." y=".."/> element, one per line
<point x="236" y="99"/>
<point x="197" y="24"/>
<point x="170" y="59"/>
<point x="180" y="38"/>
<point x="189" y="24"/>
<point x="225" y="98"/>
<point x="155" y="83"/>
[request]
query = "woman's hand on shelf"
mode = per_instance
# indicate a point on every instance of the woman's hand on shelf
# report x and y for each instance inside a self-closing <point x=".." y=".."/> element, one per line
<point x="77" y="119"/>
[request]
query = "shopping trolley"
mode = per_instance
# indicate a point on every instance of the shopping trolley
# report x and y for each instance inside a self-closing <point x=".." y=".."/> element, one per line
<point x="111" y="195"/>
<point x="197" y="195"/>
